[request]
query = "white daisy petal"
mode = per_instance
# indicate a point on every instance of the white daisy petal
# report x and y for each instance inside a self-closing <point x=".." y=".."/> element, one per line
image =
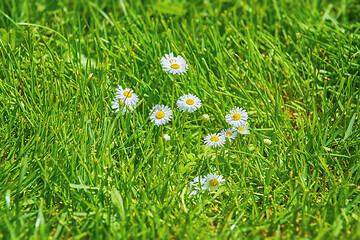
<point x="215" y="140"/>
<point x="160" y="114"/>
<point x="118" y="105"/>
<point x="166" y="137"/>
<point x="188" y="102"/>
<point x="267" y="141"/>
<point x="174" y="65"/>
<point x="213" y="182"/>
<point x="229" y="134"/>
<point x="243" y="129"/>
<point x="197" y="183"/>
<point x="194" y="192"/>
<point x="206" y="116"/>
<point x="237" y="117"/>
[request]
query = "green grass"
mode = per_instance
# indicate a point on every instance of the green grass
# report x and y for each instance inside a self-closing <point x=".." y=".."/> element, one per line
<point x="72" y="168"/>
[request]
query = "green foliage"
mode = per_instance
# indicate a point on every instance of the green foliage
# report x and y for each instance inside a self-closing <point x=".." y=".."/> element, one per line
<point x="70" y="167"/>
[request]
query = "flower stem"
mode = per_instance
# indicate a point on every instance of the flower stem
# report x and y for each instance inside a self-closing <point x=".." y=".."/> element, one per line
<point x="173" y="93"/>
<point x="183" y="128"/>
<point x="217" y="161"/>
<point x="162" y="142"/>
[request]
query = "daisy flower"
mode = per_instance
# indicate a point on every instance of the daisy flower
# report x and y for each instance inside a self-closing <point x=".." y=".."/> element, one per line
<point x="188" y="102"/>
<point x="213" y="182"/>
<point x="229" y="134"/>
<point x="160" y="114"/>
<point x="267" y="141"/>
<point x="243" y="129"/>
<point x="206" y="116"/>
<point x="166" y="137"/>
<point x="196" y="185"/>
<point x="215" y="140"/>
<point x="174" y="65"/>
<point x="237" y="117"/>
<point x="118" y="104"/>
<point x="127" y="95"/>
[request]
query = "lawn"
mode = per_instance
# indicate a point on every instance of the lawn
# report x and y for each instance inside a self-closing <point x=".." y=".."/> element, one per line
<point x="73" y="167"/>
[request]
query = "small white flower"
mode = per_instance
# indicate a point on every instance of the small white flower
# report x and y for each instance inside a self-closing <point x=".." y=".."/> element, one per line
<point x="229" y="134"/>
<point x="118" y="105"/>
<point x="174" y="65"/>
<point x="166" y="137"/>
<point x="160" y="114"/>
<point x="189" y="102"/>
<point x="213" y="182"/>
<point x="243" y="129"/>
<point x="237" y="117"/>
<point x="194" y="192"/>
<point x="198" y="183"/>
<point x="206" y="116"/>
<point x="215" y="140"/>
<point x="127" y="95"/>
<point x="267" y="141"/>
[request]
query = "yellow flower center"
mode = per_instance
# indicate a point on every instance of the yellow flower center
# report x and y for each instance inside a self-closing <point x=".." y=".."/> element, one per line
<point x="127" y="94"/>
<point x="214" y="139"/>
<point x="214" y="182"/>
<point x="175" y="66"/>
<point x="228" y="134"/>
<point x="190" y="102"/>
<point x="241" y="129"/>
<point x="236" y="116"/>
<point x="160" y="114"/>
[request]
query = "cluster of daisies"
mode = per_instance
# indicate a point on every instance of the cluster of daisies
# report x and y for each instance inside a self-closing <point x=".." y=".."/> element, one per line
<point x="125" y="101"/>
<point x="161" y="114"/>
<point x="237" y="118"/>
